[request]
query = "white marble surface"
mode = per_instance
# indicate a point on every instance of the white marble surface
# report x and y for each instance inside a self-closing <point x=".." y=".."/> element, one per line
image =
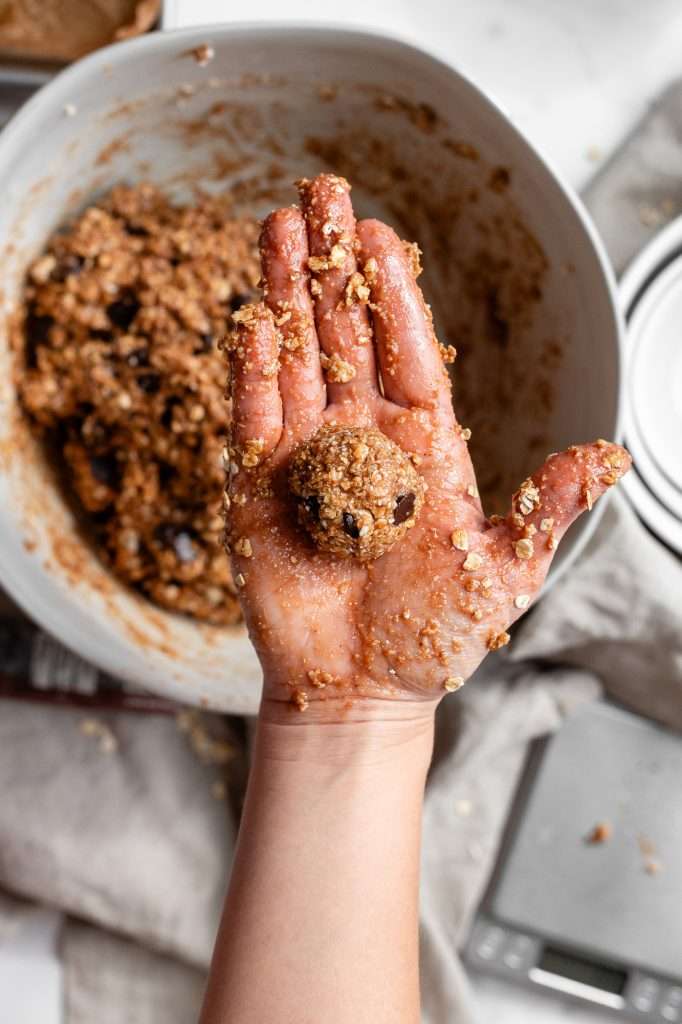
<point x="30" y="972"/>
<point x="575" y="75"/>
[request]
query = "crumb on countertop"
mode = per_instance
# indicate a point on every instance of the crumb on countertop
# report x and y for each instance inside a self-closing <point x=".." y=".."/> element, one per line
<point x="600" y="833"/>
<point x="99" y="730"/>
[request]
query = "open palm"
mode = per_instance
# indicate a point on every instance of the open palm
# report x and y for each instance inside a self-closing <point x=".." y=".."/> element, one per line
<point x="344" y="336"/>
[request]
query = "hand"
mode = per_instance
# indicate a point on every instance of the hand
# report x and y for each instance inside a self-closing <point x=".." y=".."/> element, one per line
<point x="341" y="302"/>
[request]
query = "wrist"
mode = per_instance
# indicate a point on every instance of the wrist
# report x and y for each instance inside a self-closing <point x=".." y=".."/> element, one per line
<point x="297" y="696"/>
<point x="365" y="730"/>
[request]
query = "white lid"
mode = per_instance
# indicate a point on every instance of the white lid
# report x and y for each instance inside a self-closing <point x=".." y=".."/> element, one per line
<point x="653" y="404"/>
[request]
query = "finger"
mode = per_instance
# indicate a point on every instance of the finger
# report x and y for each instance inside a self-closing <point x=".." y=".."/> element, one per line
<point x="340" y="291"/>
<point x="256" y="403"/>
<point x="547" y="503"/>
<point x="411" y="363"/>
<point x="284" y="258"/>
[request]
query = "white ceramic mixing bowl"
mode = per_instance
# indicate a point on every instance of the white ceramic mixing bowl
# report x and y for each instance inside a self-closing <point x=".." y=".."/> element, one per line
<point x="516" y="276"/>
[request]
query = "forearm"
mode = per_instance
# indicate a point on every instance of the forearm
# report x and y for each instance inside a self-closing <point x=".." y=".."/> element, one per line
<point x="321" y="918"/>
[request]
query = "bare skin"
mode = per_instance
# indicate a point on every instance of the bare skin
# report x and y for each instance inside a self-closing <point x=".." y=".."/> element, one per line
<point x="321" y="916"/>
<point x="427" y="612"/>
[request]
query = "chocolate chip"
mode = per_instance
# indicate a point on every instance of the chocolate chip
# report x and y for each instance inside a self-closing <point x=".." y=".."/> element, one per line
<point x="104" y="468"/>
<point x="165" y="534"/>
<point x="123" y="311"/>
<point x="312" y="506"/>
<point x="167" y="414"/>
<point x="238" y="300"/>
<point x="37" y="332"/>
<point x="149" y="383"/>
<point x="138" y="357"/>
<point x="404" y="508"/>
<point x="69" y="265"/>
<point x="137" y="231"/>
<point x="350" y="526"/>
<point x="206" y="343"/>
<point x="38" y="328"/>
<point x="166" y="473"/>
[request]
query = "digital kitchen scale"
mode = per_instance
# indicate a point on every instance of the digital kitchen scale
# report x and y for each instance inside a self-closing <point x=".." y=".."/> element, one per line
<point x="586" y="897"/>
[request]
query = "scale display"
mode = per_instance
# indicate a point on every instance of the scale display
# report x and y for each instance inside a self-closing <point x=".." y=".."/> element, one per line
<point x="586" y="898"/>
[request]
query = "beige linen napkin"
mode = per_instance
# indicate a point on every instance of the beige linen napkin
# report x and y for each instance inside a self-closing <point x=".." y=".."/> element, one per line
<point x="620" y="613"/>
<point x="110" y="980"/>
<point x="115" y="819"/>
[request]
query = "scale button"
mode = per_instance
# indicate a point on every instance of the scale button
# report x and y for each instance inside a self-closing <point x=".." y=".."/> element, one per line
<point x="516" y="951"/>
<point x="645" y="994"/>
<point x="490" y="943"/>
<point x="674" y="996"/>
<point x="670" y="1012"/>
<point x="643" y="1002"/>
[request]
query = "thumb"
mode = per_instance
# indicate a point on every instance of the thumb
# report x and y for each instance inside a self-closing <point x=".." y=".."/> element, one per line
<point x="546" y="504"/>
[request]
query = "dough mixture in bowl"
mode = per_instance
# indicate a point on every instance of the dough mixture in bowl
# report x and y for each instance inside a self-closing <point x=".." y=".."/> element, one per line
<point x="120" y="375"/>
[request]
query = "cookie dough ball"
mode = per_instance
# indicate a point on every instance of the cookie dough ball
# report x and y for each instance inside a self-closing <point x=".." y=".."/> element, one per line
<point x="357" y="492"/>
